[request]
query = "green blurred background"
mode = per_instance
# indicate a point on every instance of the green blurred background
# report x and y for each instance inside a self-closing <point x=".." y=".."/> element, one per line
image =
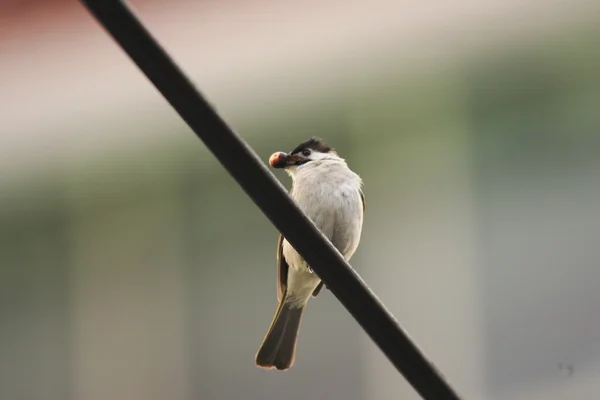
<point x="133" y="267"/>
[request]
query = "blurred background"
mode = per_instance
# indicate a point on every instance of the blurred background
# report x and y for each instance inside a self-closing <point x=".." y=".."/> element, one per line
<point x="133" y="267"/>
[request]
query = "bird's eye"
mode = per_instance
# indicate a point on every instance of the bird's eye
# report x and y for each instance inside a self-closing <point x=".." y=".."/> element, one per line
<point x="306" y="153"/>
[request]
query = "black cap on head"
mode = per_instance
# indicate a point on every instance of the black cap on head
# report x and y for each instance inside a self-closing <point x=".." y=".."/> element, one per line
<point x="314" y="143"/>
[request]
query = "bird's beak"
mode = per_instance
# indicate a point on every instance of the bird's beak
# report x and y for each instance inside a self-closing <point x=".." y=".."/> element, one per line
<point x="283" y="160"/>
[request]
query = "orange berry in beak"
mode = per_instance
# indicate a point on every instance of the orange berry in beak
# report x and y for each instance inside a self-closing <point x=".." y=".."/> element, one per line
<point x="278" y="159"/>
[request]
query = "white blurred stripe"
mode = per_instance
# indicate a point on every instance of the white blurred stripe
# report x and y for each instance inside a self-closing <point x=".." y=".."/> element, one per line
<point x="246" y="56"/>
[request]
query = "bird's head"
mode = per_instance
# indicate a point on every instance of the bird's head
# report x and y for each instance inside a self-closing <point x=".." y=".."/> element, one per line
<point x="314" y="149"/>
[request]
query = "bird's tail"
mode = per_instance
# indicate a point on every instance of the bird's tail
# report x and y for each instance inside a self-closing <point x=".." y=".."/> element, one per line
<point x="278" y="349"/>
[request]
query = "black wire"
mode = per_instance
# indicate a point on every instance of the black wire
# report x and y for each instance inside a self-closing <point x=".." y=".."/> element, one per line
<point x="271" y="197"/>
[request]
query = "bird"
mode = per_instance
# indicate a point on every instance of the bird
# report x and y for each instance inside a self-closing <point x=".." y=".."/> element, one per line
<point x="331" y="195"/>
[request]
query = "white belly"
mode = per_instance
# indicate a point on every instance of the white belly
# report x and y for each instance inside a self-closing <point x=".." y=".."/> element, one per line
<point x="331" y="199"/>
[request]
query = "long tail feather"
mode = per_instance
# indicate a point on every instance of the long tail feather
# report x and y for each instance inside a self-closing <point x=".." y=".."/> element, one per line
<point x="278" y="349"/>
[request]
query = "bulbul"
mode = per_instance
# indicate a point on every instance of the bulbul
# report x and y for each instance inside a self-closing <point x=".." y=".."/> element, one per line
<point x="331" y="195"/>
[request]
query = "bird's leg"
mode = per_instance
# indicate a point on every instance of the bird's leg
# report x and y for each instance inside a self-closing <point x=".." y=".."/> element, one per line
<point x="308" y="268"/>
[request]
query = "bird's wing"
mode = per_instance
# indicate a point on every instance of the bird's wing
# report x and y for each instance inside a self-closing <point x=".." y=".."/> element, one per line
<point x="282" y="269"/>
<point x="282" y="272"/>
<point x="362" y="198"/>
